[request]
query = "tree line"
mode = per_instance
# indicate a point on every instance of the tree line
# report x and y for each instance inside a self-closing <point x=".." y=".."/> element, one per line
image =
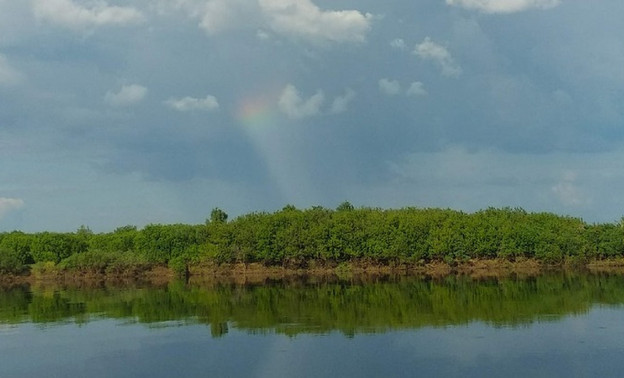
<point x="295" y="237"/>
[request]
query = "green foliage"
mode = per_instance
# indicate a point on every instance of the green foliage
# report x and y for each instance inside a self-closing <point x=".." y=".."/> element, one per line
<point x="18" y="245"/>
<point x="105" y="262"/>
<point x="10" y="263"/>
<point x="160" y="243"/>
<point x="295" y="237"/>
<point x="48" y="246"/>
<point x="345" y="206"/>
<point x="218" y="216"/>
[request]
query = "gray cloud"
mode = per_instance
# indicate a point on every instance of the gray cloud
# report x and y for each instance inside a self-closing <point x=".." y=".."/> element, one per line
<point x="534" y="119"/>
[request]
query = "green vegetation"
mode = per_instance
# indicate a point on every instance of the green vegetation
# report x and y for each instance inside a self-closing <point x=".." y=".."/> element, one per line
<point x="376" y="306"/>
<point x="316" y="236"/>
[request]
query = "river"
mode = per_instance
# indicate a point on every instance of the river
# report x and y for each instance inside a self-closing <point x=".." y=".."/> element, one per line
<point x="557" y="324"/>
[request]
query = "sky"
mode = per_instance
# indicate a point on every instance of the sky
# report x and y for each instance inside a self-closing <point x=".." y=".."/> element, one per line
<point x="134" y="112"/>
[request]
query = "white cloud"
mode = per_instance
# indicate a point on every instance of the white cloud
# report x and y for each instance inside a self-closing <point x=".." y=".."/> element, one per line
<point x="504" y="6"/>
<point x="186" y="104"/>
<point x="71" y="15"/>
<point x="291" y="103"/>
<point x="216" y="16"/>
<point x="127" y="95"/>
<point x="429" y="50"/>
<point x="8" y="74"/>
<point x="416" y="89"/>
<point x="219" y="15"/>
<point x="398" y="44"/>
<point x="9" y="204"/>
<point x="303" y="19"/>
<point x="389" y="87"/>
<point x="341" y="102"/>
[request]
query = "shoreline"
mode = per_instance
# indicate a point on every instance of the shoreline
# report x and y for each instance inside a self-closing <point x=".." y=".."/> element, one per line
<point x="241" y="273"/>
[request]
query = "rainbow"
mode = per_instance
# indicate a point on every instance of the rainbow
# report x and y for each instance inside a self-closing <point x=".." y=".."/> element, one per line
<point x="257" y="110"/>
<point x="275" y="143"/>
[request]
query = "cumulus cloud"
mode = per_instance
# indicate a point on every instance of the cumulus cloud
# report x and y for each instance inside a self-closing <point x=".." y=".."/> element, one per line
<point x="216" y="16"/>
<point x="389" y="87"/>
<point x="295" y="107"/>
<point x="340" y="103"/>
<point x="503" y="6"/>
<point x="304" y="19"/>
<point x="429" y="50"/>
<point x="126" y="96"/>
<point x="68" y="14"/>
<point x="416" y="89"/>
<point x="186" y="104"/>
<point x="9" y="204"/>
<point x="219" y="15"/>
<point x="8" y="74"/>
<point x="301" y="19"/>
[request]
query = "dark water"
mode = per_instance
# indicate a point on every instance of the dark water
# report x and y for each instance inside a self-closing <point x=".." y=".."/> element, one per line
<point x="553" y="325"/>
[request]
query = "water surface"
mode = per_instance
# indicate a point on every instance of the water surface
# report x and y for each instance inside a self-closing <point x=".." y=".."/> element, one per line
<point x="551" y="325"/>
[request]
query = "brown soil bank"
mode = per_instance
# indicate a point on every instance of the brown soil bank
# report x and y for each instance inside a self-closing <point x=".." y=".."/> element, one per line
<point x="258" y="273"/>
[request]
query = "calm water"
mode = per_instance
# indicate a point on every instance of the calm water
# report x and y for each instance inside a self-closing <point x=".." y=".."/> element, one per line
<point x="553" y="325"/>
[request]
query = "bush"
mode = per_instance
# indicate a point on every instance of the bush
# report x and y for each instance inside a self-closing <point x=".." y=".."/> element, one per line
<point x="117" y="263"/>
<point x="10" y="263"/>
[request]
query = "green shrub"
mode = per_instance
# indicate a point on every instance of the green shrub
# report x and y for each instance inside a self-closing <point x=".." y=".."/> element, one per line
<point x="118" y="263"/>
<point x="10" y="263"/>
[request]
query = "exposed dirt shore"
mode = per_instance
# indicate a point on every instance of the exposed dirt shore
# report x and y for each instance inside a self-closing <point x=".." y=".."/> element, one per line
<point x="241" y="273"/>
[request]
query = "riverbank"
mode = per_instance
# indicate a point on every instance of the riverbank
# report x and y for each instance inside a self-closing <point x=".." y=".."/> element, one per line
<point x="241" y="273"/>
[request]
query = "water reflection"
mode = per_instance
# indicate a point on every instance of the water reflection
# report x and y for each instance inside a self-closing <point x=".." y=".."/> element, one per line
<point x="321" y="307"/>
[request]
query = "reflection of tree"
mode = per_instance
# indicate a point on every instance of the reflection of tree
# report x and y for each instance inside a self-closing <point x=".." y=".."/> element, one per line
<point x="54" y="307"/>
<point x="218" y="329"/>
<point x="325" y="307"/>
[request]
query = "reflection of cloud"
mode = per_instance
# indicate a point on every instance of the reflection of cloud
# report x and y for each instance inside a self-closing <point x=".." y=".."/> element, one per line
<point x="9" y="204"/>
<point x="429" y="50"/>
<point x="127" y="95"/>
<point x="498" y="6"/>
<point x="68" y="14"/>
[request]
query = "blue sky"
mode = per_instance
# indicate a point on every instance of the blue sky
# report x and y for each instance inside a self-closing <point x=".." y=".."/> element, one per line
<point x="157" y="111"/>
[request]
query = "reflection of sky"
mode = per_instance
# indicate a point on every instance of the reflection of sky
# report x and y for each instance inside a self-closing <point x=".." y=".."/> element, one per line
<point x="586" y="345"/>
